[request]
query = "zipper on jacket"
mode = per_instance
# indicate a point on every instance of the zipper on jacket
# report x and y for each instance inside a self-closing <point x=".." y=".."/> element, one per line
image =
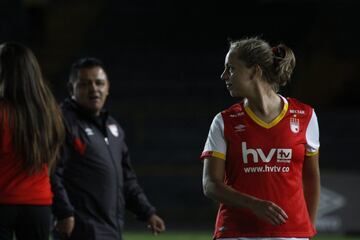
<point x="106" y="139"/>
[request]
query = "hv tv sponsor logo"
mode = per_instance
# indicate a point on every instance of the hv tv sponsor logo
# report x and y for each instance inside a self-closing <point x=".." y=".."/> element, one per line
<point x="267" y="169"/>
<point x="282" y="154"/>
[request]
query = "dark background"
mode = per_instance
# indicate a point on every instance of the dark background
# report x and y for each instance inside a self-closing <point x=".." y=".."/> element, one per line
<point x="164" y="59"/>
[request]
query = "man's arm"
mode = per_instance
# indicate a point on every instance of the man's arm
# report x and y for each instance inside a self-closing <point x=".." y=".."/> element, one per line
<point x="61" y="207"/>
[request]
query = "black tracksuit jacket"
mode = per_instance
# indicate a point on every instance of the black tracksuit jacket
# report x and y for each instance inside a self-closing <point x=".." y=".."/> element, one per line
<point x="94" y="180"/>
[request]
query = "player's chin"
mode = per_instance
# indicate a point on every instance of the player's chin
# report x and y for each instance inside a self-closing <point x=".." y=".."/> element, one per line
<point x="234" y="94"/>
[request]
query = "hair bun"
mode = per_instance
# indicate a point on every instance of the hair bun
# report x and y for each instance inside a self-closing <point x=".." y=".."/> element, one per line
<point x="279" y="51"/>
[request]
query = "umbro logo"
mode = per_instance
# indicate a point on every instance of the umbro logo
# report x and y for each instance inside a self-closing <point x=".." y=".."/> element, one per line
<point x="240" y="128"/>
<point x="330" y="201"/>
<point x="89" y="131"/>
<point x="237" y="114"/>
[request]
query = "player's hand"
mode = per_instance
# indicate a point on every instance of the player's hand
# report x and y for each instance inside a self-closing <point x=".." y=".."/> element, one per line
<point x="156" y="224"/>
<point x="269" y="211"/>
<point x="65" y="227"/>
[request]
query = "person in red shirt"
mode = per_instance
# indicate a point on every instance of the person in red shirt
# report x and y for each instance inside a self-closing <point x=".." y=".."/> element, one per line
<point x="261" y="160"/>
<point x="31" y="134"/>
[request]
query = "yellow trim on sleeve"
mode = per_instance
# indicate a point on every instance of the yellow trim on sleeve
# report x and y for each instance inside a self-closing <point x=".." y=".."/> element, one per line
<point x="309" y="154"/>
<point x="218" y="155"/>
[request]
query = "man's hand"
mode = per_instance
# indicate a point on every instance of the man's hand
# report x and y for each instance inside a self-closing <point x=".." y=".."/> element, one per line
<point x="156" y="224"/>
<point x="65" y="227"/>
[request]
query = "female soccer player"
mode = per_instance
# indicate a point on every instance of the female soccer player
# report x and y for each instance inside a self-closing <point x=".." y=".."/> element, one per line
<point x="261" y="154"/>
<point x="31" y="133"/>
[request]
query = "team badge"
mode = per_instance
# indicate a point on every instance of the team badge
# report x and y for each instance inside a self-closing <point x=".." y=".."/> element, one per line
<point x="294" y="125"/>
<point x="114" y="130"/>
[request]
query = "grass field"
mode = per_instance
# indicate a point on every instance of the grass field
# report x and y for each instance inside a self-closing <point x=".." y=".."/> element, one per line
<point x="207" y="236"/>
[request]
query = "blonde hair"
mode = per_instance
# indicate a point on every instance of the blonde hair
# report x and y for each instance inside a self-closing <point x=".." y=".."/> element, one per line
<point x="277" y="63"/>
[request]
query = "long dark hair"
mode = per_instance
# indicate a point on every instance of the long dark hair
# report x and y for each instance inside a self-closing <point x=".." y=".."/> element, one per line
<point x="33" y="115"/>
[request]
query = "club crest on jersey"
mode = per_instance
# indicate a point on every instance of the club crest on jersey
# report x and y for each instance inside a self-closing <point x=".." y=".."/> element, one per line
<point x="114" y="130"/>
<point x="294" y="125"/>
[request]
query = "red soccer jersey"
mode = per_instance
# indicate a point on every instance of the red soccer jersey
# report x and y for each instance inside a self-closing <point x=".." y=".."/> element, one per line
<point x="16" y="186"/>
<point x="264" y="160"/>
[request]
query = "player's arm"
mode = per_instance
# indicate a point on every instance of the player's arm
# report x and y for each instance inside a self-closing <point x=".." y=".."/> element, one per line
<point x="311" y="184"/>
<point x="311" y="172"/>
<point x="215" y="188"/>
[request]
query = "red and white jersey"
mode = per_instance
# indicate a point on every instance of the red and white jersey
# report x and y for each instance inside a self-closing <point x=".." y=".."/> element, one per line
<point x="264" y="160"/>
<point x="16" y="185"/>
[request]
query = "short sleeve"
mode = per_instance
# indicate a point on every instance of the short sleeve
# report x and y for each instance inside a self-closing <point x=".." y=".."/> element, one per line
<point x="215" y="145"/>
<point x="312" y="136"/>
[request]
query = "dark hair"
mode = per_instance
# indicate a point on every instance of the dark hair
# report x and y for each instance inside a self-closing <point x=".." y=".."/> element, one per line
<point x="29" y="107"/>
<point x="81" y="64"/>
<point x="277" y="63"/>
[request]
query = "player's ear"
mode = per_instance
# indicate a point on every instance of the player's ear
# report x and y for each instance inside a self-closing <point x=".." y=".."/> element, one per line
<point x="256" y="71"/>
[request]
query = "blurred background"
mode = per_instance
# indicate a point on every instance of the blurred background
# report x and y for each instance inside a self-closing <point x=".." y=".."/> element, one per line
<point x="164" y="60"/>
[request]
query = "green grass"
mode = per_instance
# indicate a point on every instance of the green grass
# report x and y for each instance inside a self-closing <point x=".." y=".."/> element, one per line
<point x="167" y="236"/>
<point x="206" y="236"/>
